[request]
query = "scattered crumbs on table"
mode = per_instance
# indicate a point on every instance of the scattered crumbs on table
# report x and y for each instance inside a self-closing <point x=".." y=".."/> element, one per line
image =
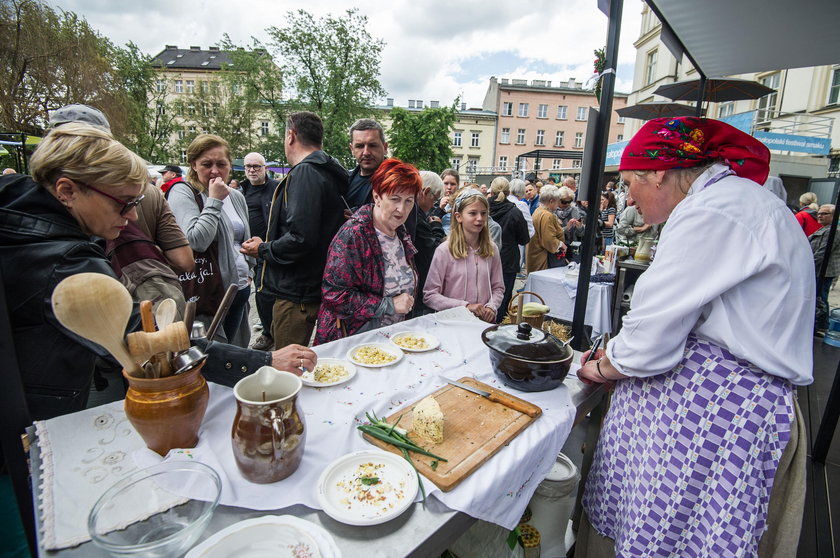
<point x="348" y="403"/>
<point x="328" y="422"/>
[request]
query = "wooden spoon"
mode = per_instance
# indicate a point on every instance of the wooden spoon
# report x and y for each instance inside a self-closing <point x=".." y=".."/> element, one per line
<point x="146" y="316"/>
<point x="165" y="313"/>
<point x="96" y="307"/>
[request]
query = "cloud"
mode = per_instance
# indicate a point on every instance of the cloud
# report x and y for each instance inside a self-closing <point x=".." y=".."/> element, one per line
<point x="435" y="49"/>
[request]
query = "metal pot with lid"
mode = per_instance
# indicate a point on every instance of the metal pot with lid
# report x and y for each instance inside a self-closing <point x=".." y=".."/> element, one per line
<point x="527" y="358"/>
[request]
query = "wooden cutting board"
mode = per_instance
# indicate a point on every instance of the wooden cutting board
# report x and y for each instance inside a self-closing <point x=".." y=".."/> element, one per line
<point x="475" y="428"/>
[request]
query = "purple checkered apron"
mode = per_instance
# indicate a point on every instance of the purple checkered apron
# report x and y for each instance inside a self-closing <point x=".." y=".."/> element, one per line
<point x="686" y="460"/>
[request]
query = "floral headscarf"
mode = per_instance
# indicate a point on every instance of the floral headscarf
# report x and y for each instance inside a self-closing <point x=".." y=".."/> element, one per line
<point x="678" y="143"/>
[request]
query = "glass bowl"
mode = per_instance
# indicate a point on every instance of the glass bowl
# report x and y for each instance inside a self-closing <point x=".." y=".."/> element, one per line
<point x="159" y="511"/>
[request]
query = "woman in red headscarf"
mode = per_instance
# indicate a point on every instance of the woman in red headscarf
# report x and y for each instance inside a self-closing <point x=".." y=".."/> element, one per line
<point x="702" y="451"/>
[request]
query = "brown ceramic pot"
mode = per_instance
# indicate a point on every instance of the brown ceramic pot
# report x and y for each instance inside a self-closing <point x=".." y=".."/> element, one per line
<point x="167" y="412"/>
<point x="268" y="434"/>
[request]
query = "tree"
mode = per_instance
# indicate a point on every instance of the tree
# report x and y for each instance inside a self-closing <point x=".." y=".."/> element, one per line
<point x="332" y="65"/>
<point x="49" y="59"/>
<point x="148" y="125"/>
<point x="422" y="137"/>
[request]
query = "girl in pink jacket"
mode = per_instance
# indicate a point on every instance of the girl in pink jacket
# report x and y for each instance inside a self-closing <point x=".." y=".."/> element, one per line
<point x="467" y="269"/>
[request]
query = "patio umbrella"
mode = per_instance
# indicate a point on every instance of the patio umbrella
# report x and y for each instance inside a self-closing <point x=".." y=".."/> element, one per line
<point x="655" y="109"/>
<point x="717" y="90"/>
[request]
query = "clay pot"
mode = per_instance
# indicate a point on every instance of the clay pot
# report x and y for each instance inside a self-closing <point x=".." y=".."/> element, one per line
<point x="167" y="412"/>
<point x="268" y="434"/>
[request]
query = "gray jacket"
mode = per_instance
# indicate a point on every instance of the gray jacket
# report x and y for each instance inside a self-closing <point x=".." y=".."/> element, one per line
<point x="202" y="227"/>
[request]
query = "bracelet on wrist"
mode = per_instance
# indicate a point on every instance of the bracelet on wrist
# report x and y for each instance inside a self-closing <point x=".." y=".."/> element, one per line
<point x="598" y="367"/>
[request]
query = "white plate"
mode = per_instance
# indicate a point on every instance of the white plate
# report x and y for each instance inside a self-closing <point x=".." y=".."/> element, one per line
<point x="338" y="489"/>
<point x="308" y="378"/>
<point x="432" y="341"/>
<point x="389" y="348"/>
<point x="268" y="537"/>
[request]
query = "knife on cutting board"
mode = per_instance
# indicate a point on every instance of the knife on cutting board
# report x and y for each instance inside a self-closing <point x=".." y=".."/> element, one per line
<point x="501" y="398"/>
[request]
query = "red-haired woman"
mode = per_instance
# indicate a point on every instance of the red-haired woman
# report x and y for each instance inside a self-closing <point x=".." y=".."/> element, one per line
<point x="369" y="280"/>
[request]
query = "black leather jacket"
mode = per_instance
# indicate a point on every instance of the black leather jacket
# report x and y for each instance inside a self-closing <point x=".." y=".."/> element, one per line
<point x="306" y="213"/>
<point x="41" y="244"/>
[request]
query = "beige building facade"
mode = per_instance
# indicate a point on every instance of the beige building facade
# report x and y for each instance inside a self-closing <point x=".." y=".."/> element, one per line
<point x="537" y="115"/>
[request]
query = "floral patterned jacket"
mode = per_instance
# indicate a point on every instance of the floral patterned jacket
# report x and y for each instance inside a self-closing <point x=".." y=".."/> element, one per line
<point x="354" y="277"/>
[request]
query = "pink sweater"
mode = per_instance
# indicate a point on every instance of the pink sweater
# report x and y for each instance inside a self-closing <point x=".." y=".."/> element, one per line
<point x="469" y="280"/>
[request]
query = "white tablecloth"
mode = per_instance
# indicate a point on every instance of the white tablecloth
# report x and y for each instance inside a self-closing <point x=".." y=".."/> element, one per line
<point x="558" y="292"/>
<point x="86" y="452"/>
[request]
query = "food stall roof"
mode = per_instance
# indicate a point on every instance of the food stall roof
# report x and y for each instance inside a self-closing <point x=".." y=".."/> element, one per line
<point x="724" y="38"/>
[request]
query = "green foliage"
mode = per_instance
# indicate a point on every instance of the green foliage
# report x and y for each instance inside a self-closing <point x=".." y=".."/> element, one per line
<point x="422" y="137"/>
<point x="50" y="59"/>
<point x="147" y="131"/>
<point x="332" y="66"/>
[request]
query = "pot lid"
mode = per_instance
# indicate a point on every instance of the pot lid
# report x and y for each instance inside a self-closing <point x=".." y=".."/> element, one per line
<point x="525" y="342"/>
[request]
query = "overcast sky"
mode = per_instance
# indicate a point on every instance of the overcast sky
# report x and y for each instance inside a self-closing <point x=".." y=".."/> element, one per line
<point x="434" y="49"/>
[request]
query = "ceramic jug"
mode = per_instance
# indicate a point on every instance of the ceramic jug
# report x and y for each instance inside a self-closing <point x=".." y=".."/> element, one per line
<point x="167" y="412"/>
<point x="268" y="433"/>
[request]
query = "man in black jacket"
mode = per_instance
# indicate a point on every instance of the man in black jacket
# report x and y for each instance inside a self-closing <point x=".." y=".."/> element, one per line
<point x="259" y="191"/>
<point x="305" y="214"/>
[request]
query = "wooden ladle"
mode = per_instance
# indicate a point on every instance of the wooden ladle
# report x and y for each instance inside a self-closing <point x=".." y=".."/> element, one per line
<point x="96" y="307"/>
<point x="165" y="313"/>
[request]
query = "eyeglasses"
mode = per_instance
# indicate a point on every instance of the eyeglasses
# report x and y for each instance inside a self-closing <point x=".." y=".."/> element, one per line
<point x="126" y="206"/>
<point x="254" y="167"/>
<point x="565" y="202"/>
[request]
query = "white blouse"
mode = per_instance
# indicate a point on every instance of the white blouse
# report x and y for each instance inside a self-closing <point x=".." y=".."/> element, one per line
<point x="731" y="268"/>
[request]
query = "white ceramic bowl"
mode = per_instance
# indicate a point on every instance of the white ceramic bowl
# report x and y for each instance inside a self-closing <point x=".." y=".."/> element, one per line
<point x="159" y="511"/>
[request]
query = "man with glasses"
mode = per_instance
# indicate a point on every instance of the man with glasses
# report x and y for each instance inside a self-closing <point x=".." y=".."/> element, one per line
<point x="571" y="217"/>
<point x="819" y="241"/>
<point x="259" y="190"/>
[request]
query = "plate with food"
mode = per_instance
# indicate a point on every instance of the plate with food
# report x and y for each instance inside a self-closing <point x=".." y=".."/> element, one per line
<point x="367" y="487"/>
<point x="415" y="341"/>
<point x="329" y="372"/>
<point x="374" y="355"/>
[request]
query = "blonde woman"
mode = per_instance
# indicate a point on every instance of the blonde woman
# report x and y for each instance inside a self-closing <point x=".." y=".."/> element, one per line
<point x="466" y="269"/>
<point x="548" y="232"/>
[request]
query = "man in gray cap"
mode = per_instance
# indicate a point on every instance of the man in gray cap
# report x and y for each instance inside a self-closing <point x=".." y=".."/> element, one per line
<point x="79" y="113"/>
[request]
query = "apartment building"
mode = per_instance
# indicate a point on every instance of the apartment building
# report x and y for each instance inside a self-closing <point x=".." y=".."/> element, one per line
<point x="537" y="115"/>
<point x="191" y="81"/>
<point x="805" y="108"/>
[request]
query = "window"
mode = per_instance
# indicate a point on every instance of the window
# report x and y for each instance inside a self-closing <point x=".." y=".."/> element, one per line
<point x="204" y="110"/>
<point x="523" y="109"/>
<point x="183" y="155"/>
<point x="456" y="163"/>
<point x="161" y="108"/>
<point x="540" y="137"/>
<point x="579" y="139"/>
<point x="204" y="87"/>
<point x="520" y="136"/>
<point x="264" y="128"/>
<point x="522" y="164"/>
<point x="191" y="109"/>
<point x="581" y="113"/>
<point x="834" y="88"/>
<point x="161" y="86"/>
<point x="456" y="139"/>
<point x="505" y="136"/>
<point x="726" y="109"/>
<point x="650" y="67"/>
<point x="179" y="86"/>
<point x="474" y="139"/>
<point x="503" y="162"/>
<point x="235" y="88"/>
<point x="193" y="130"/>
<point x="471" y="166"/>
<point x="576" y="163"/>
<point x="767" y="104"/>
<point x="558" y="138"/>
<point x="561" y="112"/>
<point x="542" y="111"/>
<point x="182" y="134"/>
<point x="620" y="137"/>
<point x="190" y="86"/>
<point x="507" y="109"/>
<point x="620" y="120"/>
<point x="557" y="164"/>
